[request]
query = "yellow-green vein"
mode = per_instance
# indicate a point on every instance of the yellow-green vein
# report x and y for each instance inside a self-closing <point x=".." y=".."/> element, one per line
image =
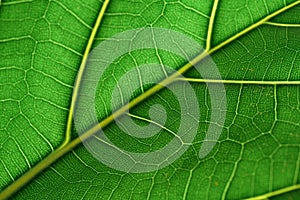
<point x="14" y="2"/>
<point x="80" y="73"/>
<point x="276" y="192"/>
<point x="211" y="24"/>
<point x="282" y="24"/>
<point x="246" y="82"/>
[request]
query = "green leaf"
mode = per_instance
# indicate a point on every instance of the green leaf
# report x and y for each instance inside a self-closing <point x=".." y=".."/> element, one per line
<point x="255" y="46"/>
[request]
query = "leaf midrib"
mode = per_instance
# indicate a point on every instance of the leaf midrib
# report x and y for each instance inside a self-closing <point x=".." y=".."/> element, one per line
<point x="68" y="145"/>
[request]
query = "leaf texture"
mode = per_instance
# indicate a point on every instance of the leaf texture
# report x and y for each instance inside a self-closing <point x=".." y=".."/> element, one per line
<point x="42" y="45"/>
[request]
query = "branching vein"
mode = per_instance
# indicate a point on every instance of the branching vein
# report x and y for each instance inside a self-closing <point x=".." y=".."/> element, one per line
<point x="245" y="82"/>
<point x="282" y="24"/>
<point x="276" y="193"/>
<point x="211" y="24"/>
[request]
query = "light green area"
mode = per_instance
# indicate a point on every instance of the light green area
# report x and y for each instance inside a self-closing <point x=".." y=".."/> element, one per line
<point x="259" y="149"/>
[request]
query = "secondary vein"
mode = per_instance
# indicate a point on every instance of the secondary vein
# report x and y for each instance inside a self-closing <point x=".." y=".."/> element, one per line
<point x="211" y="24"/>
<point x="246" y="82"/>
<point x="81" y="71"/>
<point x="155" y="123"/>
<point x="282" y="24"/>
<point x="276" y="192"/>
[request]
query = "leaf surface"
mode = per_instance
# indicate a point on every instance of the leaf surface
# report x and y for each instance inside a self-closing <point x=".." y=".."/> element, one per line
<point x="257" y="152"/>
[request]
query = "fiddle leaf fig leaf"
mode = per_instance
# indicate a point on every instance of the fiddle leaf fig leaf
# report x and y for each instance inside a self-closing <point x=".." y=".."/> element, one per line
<point x="149" y="99"/>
